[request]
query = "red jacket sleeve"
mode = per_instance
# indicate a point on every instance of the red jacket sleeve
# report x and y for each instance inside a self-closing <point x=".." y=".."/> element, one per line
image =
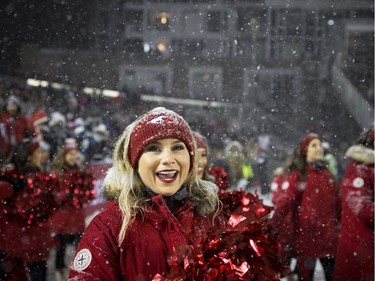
<point x="358" y="192"/>
<point x="292" y="188"/>
<point x="97" y="255"/>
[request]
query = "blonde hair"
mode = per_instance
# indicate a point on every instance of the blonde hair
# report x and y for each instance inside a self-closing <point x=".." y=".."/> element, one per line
<point x="123" y="185"/>
<point x="59" y="161"/>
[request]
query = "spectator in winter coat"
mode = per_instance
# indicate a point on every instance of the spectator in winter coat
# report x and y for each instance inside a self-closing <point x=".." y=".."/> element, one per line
<point x="313" y="195"/>
<point x="330" y="159"/>
<point x="57" y="132"/>
<point x="158" y="206"/>
<point x="355" y="254"/>
<point x="94" y="147"/>
<point x="13" y="128"/>
<point x="76" y="187"/>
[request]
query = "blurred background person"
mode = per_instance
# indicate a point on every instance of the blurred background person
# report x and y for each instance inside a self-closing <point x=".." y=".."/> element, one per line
<point x="201" y="143"/>
<point x="76" y="187"/>
<point x="312" y="193"/>
<point x="27" y="235"/>
<point x="95" y="145"/>
<point x="330" y="159"/>
<point x="355" y="254"/>
<point x="13" y="127"/>
<point x="216" y="173"/>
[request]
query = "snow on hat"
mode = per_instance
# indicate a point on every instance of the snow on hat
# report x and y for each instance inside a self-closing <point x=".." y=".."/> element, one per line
<point x="13" y="99"/>
<point x="69" y="144"/>
<point x="233" y="148"/>
<point x="37" y="118"/>
<point x="326" y="145"/>
<point x="200" y="140"/>
<point x="79" y="130"/>
<point x="56" y="118"/>
<point x="101" y="129"/>
<point x="79" y="122"/>
<point x="305" y="142"/>
<point x="159" y="123"/>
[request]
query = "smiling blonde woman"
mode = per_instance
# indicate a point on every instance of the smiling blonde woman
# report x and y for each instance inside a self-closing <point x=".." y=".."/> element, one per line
<point x="158" y="205"/>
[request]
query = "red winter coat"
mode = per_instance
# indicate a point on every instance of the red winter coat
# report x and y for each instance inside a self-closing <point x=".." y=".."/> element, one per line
<point x="75" y="189"/>
<point x="317" y="205"/>
<point x="148" y="243"/>
<point x="282" y="219"/>
<point x="355" y="254"/>
<point x="15" y="129"/>
<point x="6" y="191"/>
<point x="27" y="234"/>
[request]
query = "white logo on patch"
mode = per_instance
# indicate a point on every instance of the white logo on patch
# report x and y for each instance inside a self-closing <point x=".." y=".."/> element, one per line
<point x="285" y="185"/>
<point x="82" y="260"/>
<point x="157" y="120"/>
<point x="274" y="186"/>
<point x="358" y="182"/>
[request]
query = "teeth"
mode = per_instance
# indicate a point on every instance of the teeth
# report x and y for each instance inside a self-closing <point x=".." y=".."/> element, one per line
<point x="167" y="173"/>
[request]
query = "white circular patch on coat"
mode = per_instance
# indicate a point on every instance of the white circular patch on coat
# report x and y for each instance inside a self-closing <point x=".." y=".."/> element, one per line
<point x="274" y="186"/>
<point x="358" y="182"/>
<point x="82" y="260"/>
<point x="285" y="185"/>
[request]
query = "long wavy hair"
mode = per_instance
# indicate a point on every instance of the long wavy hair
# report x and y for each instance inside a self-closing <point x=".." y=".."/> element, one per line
<point x="296" y="162"/>
<point x="123" y="184"/>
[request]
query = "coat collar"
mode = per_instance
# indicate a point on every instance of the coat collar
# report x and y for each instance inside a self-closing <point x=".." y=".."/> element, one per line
<point x="173" y="202"/>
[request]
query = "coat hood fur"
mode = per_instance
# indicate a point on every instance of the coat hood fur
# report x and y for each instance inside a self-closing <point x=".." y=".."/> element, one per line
<point x="361" y="154"/>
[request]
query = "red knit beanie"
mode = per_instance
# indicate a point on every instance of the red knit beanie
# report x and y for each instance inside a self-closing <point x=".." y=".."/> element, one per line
<point x="159" y="123"/>
<point x="305" y="142"/>
<point x="200" y="140"/>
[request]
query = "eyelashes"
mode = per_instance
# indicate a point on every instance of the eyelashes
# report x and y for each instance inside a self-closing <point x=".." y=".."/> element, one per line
<point x="159" y="148"/>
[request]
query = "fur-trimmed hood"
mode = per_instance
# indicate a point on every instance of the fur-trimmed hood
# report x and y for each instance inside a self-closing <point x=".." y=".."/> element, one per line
<point x="361" y="154"/>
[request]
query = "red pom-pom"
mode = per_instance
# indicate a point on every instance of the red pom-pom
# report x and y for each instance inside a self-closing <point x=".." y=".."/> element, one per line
<point x="245" y="249"/>
<point x="35" y="202"/>
<point x="6" y="190"/>
<point x="221" y="177"/>
<point x="75" y="188"/>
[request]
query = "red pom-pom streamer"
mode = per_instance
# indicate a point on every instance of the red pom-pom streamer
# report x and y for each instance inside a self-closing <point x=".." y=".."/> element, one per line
<point x="245" y="249"/>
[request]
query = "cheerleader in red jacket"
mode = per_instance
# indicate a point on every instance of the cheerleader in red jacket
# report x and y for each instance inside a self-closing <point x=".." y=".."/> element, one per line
<point x="76" y="187"/>
<point x="27" y="236"/>
<point x="313" y="195"/>
<point x="155" y="208"/>
<point x="355" y="254"/>
<point x="216" y="174"/>
<point x="161" y="212"/>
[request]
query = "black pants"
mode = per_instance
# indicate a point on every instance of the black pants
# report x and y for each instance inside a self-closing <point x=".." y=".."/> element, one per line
<point x="37" y="271"/>
<point x="3" y="271"/>
<point x="64" y="240"/>
<point x="306" y="268"/>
